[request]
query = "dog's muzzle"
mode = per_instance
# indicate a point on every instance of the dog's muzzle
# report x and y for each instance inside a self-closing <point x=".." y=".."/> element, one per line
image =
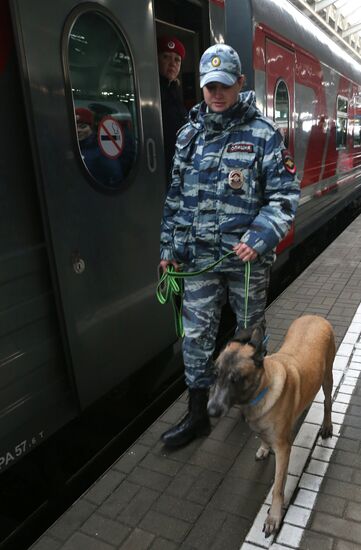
<point x="218" y="403"/>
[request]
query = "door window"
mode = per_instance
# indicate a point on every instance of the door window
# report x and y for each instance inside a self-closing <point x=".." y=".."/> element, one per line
<point x="341" y="122"/>
<point x="103" y="92"/>
<point x="356" y="132"/>
<point x="355" y="120"/>
<point x="282" y="110"/>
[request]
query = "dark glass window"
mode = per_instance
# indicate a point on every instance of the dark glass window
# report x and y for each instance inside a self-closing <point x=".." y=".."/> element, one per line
<point x="356" y="120"/>
<point x="282" y="110"/>
<point x="341" y="122"/>
<point x="356" y="132"/>
<point x="102" y="83"/>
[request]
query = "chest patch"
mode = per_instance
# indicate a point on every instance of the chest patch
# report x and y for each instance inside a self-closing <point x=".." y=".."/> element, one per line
<point x="240" y="148"/>
<point x="235" y="179"/>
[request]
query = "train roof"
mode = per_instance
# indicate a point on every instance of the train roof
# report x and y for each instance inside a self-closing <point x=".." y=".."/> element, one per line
<point x="287" y="20"/>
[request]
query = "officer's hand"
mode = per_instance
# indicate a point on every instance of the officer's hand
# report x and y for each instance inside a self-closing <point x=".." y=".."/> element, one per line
<point x="165" y="263"/>
<point x="245" y="252"/>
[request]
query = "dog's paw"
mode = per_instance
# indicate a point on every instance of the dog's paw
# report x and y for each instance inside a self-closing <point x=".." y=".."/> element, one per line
<point x="326" y="431"/>
<point x="262" y="453"/>
<point x="271" y="525"/>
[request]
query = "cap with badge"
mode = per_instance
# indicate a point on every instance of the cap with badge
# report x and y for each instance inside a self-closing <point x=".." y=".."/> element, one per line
<point x="220" y="63"/>
<point x="171" y="44"/>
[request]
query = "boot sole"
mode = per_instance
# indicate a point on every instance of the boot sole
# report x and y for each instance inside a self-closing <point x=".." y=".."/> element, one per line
<point x="200" y="432"/>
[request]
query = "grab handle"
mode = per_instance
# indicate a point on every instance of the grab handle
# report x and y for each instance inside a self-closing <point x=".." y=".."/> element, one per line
<point x="151" y="155"/>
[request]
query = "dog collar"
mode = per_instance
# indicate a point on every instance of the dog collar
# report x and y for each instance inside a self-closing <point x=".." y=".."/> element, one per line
<point x="259" y="396"/>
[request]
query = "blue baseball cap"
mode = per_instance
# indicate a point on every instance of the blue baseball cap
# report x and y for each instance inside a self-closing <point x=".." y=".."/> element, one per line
<point x="220" y="63"/>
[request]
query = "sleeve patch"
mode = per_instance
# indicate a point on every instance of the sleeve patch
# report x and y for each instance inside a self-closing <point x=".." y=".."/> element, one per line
<point x="288" y="162"/>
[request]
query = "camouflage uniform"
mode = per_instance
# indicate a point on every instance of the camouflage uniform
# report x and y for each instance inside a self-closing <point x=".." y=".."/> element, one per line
<point x="230" y="183"/>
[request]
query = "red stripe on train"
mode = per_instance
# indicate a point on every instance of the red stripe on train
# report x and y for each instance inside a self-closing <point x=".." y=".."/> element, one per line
<point x="287" y="241"/>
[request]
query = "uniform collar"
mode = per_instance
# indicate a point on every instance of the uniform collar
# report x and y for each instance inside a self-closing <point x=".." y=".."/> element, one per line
<point x="244" y="110"/>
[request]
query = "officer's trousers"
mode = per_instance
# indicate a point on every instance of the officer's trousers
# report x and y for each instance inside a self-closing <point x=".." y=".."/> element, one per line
<point x="204" y="297"/>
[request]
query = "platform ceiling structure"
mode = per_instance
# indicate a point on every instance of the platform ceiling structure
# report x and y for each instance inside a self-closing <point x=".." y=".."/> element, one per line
<point x="341" y="19"/>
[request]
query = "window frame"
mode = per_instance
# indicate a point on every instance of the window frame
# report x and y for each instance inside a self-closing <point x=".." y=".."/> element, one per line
<point x="355" y="145"/>
<point x="70" y="21"/>
<point x="342" y="115"/>
<point x="354" y="104"/>
<point x="282" y="81"/>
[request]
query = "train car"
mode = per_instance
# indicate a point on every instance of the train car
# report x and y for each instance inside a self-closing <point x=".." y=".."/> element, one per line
<point x="79" y="244"/>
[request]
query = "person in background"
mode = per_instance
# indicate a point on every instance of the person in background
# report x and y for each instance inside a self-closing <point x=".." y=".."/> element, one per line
<point x="171" y="53"/>
<point x="233" y="189"/>
<point x="84" y="123"/>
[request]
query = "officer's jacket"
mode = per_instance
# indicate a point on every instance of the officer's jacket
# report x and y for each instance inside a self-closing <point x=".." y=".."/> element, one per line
<point x="232" y="180"/>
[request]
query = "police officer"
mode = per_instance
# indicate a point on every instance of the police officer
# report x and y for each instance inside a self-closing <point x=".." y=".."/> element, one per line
<point x="171" y="53"/>
<point x="233" y="188"/>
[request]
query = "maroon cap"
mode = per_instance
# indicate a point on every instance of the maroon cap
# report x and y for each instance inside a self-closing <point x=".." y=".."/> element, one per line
<point x="171" y="44"/>
<point x="84" y="115"/>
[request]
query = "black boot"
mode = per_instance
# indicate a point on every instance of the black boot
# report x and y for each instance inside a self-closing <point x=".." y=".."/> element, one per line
<point x="194" y="424"/>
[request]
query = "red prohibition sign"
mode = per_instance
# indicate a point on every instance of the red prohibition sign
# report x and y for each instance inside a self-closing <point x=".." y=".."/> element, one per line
<point x="110" y="137"/>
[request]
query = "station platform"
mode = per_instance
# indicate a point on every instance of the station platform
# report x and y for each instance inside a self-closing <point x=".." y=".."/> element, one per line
<point x="212" y="494"/>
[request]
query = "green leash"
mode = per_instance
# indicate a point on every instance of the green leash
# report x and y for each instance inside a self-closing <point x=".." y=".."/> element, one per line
<point x="168" y="288"/>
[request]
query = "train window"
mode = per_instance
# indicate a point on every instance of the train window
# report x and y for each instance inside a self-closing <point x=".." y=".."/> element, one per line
<point x="356" y="132"/>
<point x="355" y="121"/>
<point x="282" y="110"/>
<point x="103" y="90"/>
<point x="341" y="122"/>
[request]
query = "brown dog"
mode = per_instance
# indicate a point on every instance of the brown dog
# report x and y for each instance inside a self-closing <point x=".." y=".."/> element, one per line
<point x="274" y="390"/>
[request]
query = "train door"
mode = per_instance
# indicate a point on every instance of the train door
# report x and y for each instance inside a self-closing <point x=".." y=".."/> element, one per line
<point x="92" y="97"/>
<point x="280" y="85"/>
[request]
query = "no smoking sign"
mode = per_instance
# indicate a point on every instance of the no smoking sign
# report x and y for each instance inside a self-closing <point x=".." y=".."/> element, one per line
<point x="110" y="137"/>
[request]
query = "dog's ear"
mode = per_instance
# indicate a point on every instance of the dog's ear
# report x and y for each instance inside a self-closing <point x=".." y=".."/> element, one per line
<point x="257" y="341"/>
<point x="255" y="337"/>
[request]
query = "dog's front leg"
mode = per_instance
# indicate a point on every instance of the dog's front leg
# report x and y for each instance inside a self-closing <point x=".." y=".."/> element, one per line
<point x="282" y="452"/>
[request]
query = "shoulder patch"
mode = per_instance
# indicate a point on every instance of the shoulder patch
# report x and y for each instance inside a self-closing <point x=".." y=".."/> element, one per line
<point x="288" y="161"/>
<point x="240" y="148"/>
